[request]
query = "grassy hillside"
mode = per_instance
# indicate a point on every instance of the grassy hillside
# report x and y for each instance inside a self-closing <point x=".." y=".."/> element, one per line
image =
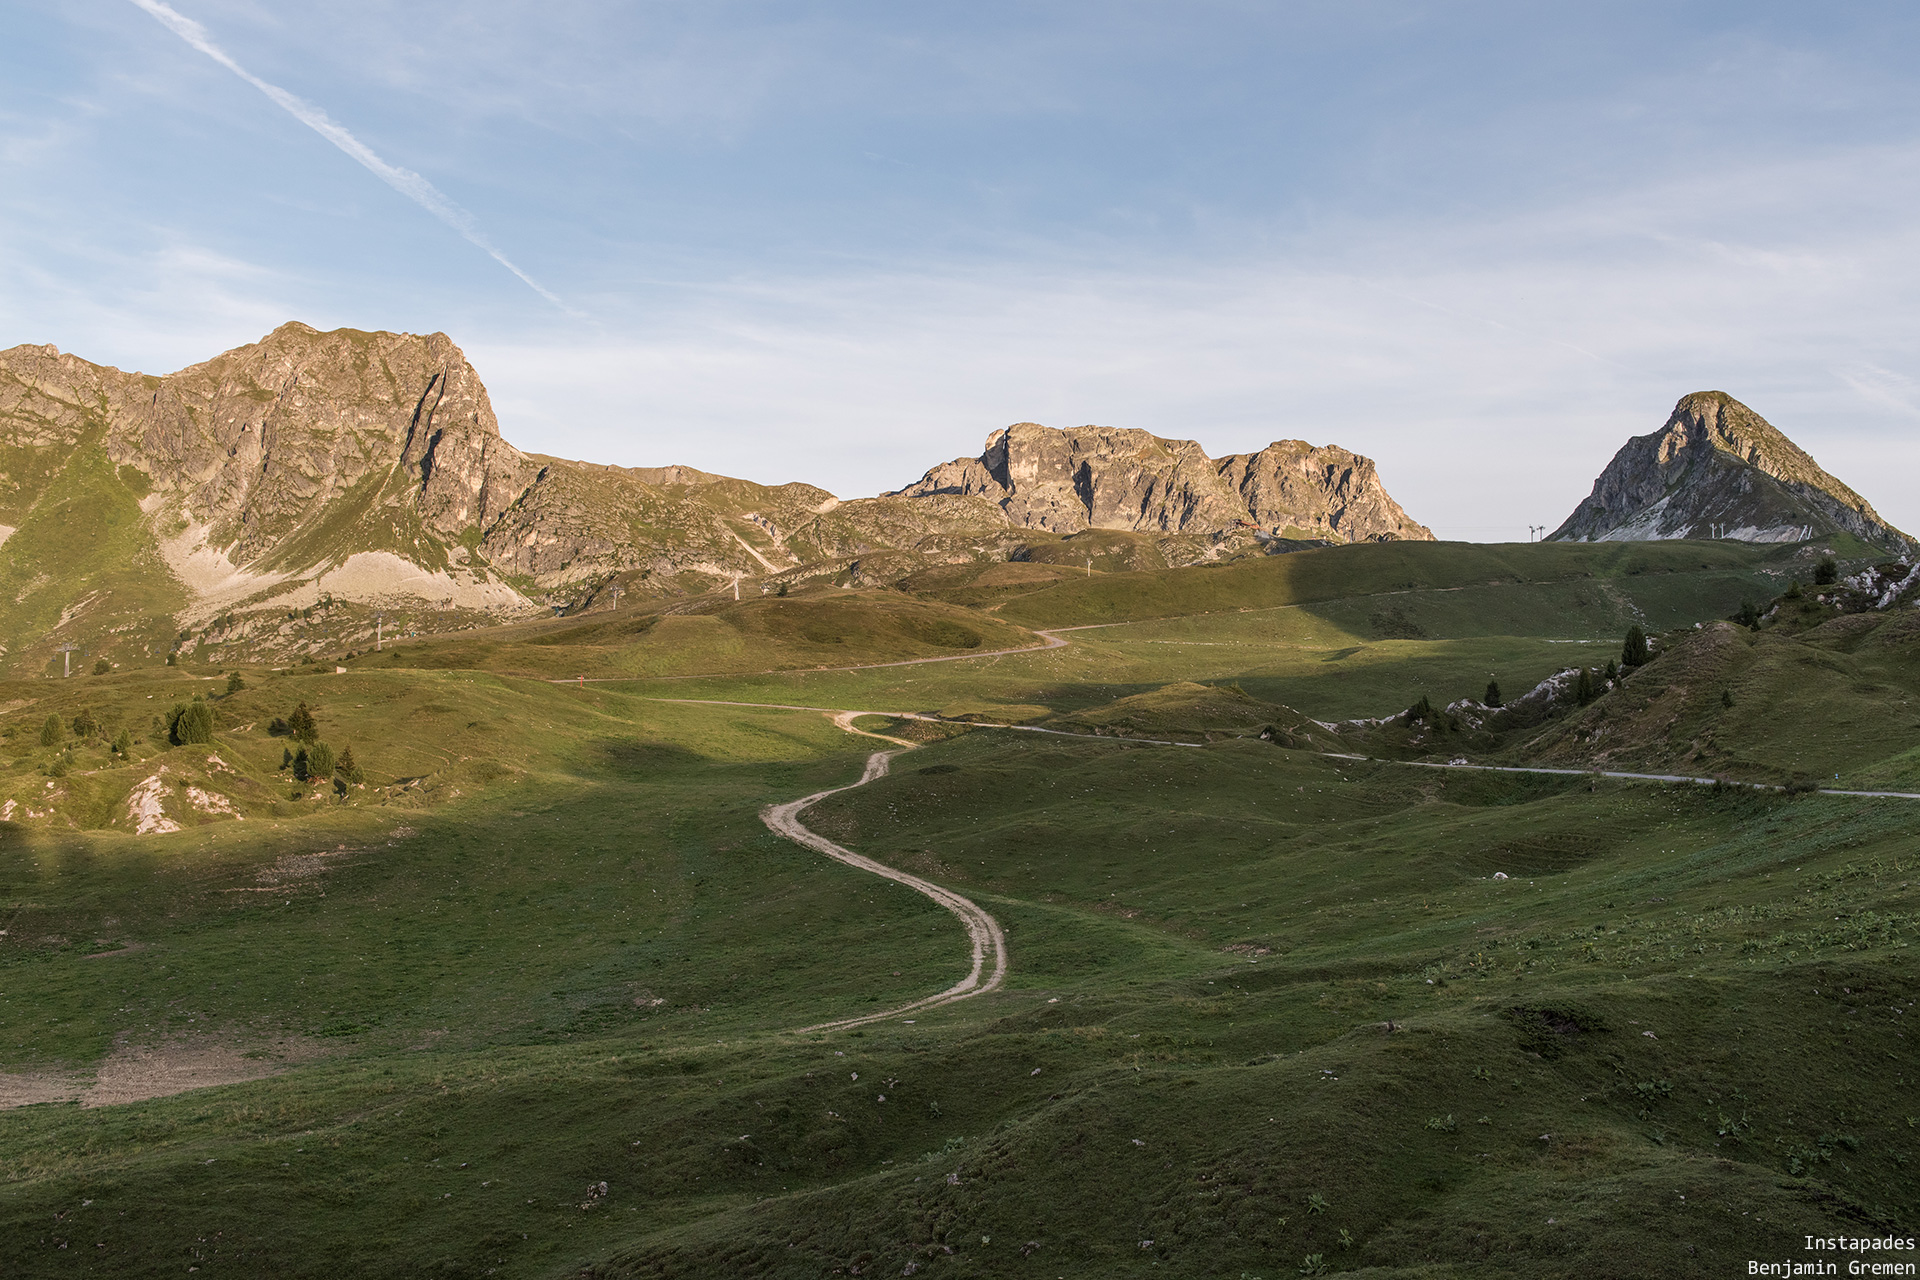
<point x="1664" y="583"/>
<point x="530" y="998"/>
<point x="1836" y="702"/>
<point x="82" y="569"/>
<point x="823" y="627"/>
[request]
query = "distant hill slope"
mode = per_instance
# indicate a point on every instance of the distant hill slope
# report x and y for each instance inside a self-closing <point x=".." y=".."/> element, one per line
<point x="1108" y="478"/>
<point x="1718" y="469"/>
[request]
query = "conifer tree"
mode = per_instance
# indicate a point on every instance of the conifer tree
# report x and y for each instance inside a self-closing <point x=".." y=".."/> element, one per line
<point x="1493" y="694"/>
<point x="301" y="726"/>
<point x="320" y="762"/>
<point x="1635" y="651"/>
<point x="190" y="722"/>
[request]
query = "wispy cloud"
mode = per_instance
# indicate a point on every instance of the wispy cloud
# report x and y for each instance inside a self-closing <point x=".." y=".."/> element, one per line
<point x="405" y="181"/>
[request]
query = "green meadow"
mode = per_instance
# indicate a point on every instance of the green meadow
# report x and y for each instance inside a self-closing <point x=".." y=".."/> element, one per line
<point x="532" y="1000"/>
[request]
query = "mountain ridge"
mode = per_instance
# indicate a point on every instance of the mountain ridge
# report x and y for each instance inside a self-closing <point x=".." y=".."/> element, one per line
<point x="354" y="470"/>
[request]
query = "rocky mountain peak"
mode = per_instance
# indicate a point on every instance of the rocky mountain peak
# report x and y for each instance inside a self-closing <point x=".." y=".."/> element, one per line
<point x="1066" y="480"/>
<point x="1718" y="469"/>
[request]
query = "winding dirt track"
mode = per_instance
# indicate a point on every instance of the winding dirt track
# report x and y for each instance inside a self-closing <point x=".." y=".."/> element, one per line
<point x="983" y="931"/>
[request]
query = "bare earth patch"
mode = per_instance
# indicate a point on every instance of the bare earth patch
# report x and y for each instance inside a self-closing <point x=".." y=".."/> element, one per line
<point x="27" y="1088"/>
<point x="134" y="1073"/>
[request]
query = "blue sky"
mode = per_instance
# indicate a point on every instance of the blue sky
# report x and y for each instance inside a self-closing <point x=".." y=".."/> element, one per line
<point x="1482" y="243"/>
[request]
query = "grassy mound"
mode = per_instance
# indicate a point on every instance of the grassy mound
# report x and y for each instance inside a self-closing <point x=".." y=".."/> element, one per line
<point x="1189" y="712"/>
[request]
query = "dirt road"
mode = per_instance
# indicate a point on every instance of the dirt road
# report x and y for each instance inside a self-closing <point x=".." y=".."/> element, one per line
<point x="983" y="931"/>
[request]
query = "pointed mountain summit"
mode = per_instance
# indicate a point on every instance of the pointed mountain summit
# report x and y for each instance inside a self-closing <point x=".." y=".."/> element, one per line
<point x="1090" y="477"/>
<point x="1718" y="469"/>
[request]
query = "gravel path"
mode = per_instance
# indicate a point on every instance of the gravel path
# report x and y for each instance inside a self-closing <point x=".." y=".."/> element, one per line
<point x="983" y="931"/>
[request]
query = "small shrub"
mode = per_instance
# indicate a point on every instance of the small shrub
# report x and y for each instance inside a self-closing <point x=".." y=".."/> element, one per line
<point x="85" y="726"/>
<point x="1793" y="591"/>
<point x="1749" y="615"/>
<point x="1726" y="697"/>
<point x="1442" y="1124"/>
<point x="123" y="744"/>
<point x="1317" y="1203"/>
<point x="102" y="667"/>
<point x="172" y="659"/>
<point x="52" y="732"/>
<point x="1826" y="573"/>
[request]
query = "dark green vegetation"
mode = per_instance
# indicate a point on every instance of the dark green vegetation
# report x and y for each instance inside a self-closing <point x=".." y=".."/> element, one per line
<point x="532" y="992"/>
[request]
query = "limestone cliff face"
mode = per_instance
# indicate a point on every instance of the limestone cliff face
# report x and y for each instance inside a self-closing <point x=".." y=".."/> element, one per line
<point x="281" y="437"/>
<point x="1108" y="478"/>
<point x="292" y="433"/>
<point x="1718" y="469"/>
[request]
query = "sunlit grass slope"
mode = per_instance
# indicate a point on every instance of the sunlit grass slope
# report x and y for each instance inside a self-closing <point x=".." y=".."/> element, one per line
<point x="821" y="627"/>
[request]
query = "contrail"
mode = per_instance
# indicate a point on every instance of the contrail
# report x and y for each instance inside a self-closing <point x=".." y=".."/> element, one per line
<point x="405" y="181"/>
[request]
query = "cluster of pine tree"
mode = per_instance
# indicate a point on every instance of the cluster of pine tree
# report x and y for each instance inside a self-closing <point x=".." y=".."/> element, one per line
<point x="314" y="760"/>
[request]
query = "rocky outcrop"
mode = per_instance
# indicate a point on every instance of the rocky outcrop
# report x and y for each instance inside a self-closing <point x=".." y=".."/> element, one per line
<point x="272" y="445"/>
<point x="1109" y="478"/>
<point x="1717" y="469"/>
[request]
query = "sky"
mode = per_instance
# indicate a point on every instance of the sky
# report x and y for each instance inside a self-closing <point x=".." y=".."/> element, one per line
<point x="1482" y="243"/>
